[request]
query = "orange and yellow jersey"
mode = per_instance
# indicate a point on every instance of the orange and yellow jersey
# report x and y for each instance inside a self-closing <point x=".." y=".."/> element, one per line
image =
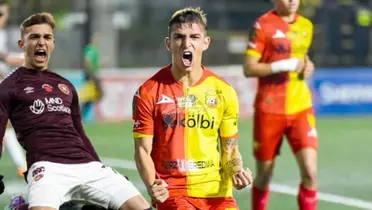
<point x="273" y="39"/>
<point x="185" y="125"/>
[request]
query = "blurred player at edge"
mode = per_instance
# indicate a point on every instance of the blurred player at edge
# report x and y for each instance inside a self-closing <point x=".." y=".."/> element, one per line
<point x="179" y="115"/>
<point x="91" y="92"/>
<point x="62" y="162"/>
<point x="10" y="59"/>
<point x="277" y="55"/>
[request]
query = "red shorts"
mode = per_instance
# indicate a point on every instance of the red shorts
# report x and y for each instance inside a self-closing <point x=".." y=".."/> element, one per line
<point x="269" y="130"/>
<point x="190" y="203"/>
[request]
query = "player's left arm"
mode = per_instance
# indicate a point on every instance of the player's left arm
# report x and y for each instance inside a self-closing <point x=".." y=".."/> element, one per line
<point x="231" y="157"/>
<point x="309" y="64"/>
<point x="232" y="162"/>
<point x="76" y="117"/>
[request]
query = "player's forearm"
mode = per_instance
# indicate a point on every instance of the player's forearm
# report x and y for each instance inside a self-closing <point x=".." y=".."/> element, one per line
<point x="145" y="166"/>
<point x="231" y="158"/>
<point x="257" y="69"/>
<point x="254" y="68"/>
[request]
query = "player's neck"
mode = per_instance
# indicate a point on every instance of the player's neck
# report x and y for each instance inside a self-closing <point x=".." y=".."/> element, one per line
<point x="289" y="18"/>
<point x="29" y="66"/>
<point x="187" y="78"/>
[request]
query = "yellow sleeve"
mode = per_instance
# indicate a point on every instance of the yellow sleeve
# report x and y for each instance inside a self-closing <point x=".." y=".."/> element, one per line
<point x="229" y="124"/>
<point x="311" y="33"/>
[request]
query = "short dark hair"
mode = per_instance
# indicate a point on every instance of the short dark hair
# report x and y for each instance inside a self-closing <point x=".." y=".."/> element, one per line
<point x="37" y="19"/>
<point x="188" y="15"/>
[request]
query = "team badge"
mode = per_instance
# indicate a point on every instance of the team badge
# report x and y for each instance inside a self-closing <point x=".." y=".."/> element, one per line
<point x="211" y="101"/>
<point x="47" y="88"/>
<point x="64" y="88"/>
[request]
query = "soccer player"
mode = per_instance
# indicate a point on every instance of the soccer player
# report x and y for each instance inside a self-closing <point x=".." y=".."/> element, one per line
<point x="44" y="110"/>
<point x="91" y="92"/>
<point x="277" y="55"/>
<point x="186" y="126"/>
<point x="10" y="59"/>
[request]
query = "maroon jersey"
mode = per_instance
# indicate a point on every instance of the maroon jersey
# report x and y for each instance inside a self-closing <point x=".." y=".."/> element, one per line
<point x="43" y="108"/>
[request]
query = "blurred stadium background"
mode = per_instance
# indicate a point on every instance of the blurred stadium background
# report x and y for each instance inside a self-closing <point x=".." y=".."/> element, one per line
<point x="130" y="37"/>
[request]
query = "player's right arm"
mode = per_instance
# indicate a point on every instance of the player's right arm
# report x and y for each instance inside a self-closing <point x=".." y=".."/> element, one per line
<point x="254" y="67"/>
<point x="144" y="162"/>
<point x="143" y="132"/>
<point x="5" y="107"/>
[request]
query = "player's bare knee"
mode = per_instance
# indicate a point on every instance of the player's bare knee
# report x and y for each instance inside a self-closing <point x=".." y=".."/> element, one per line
<point x="263" y="179"/>
<point x="309" y="177"/>
<point x="136" y="203"/>
<point x="306" y="159"/>
<point x="264" y="174"/>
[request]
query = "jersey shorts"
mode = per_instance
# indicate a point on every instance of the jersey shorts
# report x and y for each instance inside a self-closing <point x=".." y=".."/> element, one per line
<point x="190" y="203"/>
<point x="52" y="184"/>
<point x="270" y="129"/>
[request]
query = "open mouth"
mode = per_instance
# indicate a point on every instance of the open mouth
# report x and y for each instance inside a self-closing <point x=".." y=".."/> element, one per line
<point x="40" y="54"/>
<point x="187" y="58"/>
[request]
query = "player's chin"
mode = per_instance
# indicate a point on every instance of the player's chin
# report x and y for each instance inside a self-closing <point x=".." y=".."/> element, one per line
<point x="293" y="10"/>
<point x="188" y="68"/>
<point x="40" y="65"/>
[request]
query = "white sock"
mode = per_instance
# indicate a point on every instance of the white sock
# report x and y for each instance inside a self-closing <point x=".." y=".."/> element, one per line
<point x="14" y="148"/>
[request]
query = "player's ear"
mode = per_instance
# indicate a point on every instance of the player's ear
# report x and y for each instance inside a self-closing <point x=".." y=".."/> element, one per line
<point x="207" y="42"/>
<point x="21" y="44"/>
<point x="167" y="43"/>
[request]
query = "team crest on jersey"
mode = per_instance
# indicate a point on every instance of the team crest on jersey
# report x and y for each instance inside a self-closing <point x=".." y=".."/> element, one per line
<point x="211" y="101"/>
<point x="64" y="88"/>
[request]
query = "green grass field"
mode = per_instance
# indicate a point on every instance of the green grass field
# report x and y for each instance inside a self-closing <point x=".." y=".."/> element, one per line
<point x="345" y="164"/>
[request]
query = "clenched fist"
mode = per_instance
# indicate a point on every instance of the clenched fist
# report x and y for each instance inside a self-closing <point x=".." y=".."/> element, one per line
<point x="242" y="179"/>
<point x="158" y="191"/>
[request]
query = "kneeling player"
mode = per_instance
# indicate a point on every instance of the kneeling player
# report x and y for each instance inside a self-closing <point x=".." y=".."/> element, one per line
<point x="62" y="163"/>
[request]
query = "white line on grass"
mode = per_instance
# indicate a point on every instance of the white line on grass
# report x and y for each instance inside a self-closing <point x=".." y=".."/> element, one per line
<point x="278" y="188"/>
<point x="19" y="187"/>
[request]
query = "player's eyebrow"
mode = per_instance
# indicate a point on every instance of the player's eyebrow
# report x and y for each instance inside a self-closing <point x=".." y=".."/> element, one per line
<point x="39" y="35"/>
<point x="179" y="35"/>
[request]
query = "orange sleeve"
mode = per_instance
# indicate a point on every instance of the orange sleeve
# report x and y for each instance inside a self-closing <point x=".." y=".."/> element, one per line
<point x="143" y="120"/>
<point x="256" y="42"/>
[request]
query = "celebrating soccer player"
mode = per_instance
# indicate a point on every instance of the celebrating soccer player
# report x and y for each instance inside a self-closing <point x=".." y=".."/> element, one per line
<point x="182" y="116"/>
<point x="44" y="110"/>
<point x="277" y="55"/>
